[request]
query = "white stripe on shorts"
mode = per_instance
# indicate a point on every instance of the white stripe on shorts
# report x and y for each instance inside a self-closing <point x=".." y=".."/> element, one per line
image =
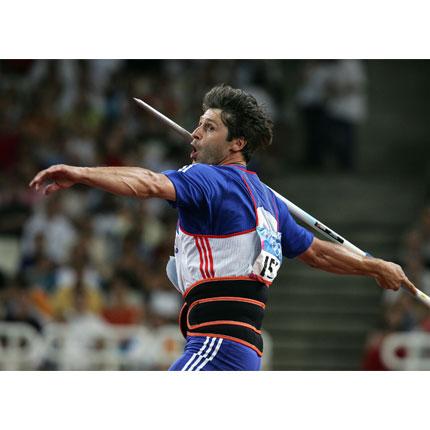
<point x="195" y="354"/>
<point x="211" y="357"/>
<point x="201" y="357"/>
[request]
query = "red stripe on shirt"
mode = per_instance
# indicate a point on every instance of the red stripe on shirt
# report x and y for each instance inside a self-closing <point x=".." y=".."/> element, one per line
<point x="211" y="260"/>
<point x="205" y="253"/>
<point x="200" y="255"/>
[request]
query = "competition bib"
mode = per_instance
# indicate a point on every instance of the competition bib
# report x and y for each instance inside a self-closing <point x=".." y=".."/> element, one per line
<point x="269" y="260"/>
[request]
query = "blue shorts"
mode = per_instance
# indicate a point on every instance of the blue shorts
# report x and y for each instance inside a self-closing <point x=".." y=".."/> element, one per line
<point x="214" y="353"/>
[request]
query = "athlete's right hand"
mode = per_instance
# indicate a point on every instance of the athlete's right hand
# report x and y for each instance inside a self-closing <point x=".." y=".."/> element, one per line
<point x="58" y="177"/>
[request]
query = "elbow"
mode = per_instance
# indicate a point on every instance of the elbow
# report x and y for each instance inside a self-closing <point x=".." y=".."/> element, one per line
<point x="313" y="260"/>
<point x="313" y="255"/>
<point x="309" y="257"/>
<point x="141" y="184"/>
<point x="158" y="185"/>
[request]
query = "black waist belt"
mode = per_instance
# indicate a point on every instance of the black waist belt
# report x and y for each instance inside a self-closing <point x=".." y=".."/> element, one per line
<point x="232" y="309"/>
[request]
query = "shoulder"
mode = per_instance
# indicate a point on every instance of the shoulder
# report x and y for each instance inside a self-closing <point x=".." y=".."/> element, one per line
<point x="201" y="168"/>
<point x="193" y="168"/>
<point x="199" y="171"/>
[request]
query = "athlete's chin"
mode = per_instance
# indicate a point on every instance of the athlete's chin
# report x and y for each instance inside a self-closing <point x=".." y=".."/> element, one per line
<point x="201" y="160"/>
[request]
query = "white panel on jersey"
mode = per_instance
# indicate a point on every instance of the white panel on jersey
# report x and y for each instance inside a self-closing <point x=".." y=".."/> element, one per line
<point x="217" y="257"/>
<point x="266" y="219"/>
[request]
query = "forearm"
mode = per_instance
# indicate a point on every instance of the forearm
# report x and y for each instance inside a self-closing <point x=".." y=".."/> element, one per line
<point x="124" y="181"/>
<point x="334" y="258"/>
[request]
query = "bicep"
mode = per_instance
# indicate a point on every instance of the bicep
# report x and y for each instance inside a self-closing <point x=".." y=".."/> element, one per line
<point x="295" y="238"/>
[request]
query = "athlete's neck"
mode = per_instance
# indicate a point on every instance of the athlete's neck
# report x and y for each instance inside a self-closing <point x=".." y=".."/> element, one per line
<point x="233" y="160"/>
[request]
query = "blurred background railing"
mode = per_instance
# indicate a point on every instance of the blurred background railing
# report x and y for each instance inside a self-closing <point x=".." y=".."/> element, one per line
<point x="99" y="347"/>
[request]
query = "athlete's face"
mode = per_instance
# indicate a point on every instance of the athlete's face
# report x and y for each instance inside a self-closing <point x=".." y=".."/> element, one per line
<point x="210" y="145"/>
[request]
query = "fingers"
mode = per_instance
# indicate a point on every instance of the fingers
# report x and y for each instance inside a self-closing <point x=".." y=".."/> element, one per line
<point x="51" y="188"/>
<point x="42" y="176"/>
<point x="45" y="175"/>
<point x="396" y="281"/>
<point x="388" y="283"/>
<point x="38" y="180"/>
<point x="405" y="282"/>
<point x="409" y="286"/>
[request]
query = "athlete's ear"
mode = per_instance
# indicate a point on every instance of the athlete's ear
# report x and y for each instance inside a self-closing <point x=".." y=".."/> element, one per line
<point x="238" y="144"/>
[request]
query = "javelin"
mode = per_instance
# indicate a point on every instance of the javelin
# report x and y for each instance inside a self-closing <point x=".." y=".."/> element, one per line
<point x="295" y="210"/>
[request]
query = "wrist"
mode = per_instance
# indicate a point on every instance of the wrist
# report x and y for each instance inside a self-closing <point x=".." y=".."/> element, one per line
<point x="374" y="266"/>
<point x="83" y="175"/>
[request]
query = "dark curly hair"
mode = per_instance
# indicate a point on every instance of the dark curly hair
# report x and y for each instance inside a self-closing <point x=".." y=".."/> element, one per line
<point x="242" y="116"/>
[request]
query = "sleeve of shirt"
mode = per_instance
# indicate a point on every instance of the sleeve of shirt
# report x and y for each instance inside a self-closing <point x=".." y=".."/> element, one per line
<point x="295" y="238"/>
<point x="195" y="185"/>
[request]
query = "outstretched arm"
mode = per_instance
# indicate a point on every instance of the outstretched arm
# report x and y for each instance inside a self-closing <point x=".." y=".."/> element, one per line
<point x="124" y="181"/>
<point x="335" y="258"/>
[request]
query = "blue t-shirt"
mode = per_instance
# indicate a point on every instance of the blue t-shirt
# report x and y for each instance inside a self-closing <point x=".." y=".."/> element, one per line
<point x="223" y="200"/>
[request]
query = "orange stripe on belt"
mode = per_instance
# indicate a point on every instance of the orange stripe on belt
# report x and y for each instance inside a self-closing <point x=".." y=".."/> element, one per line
<point x="228" y="299"/>
<point x="180" y="313"/>
<point x="227" y="322"/>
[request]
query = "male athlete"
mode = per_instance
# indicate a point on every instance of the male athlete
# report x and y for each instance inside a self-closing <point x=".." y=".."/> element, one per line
<point x="231" y="235"/>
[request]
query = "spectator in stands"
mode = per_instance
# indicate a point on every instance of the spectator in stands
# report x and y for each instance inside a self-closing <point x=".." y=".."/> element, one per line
<point x="164" y="302"/>
<point x="312" y="99"/>
<point x="397" y="317"/>
<point x="77" y="298"/>
<point x="39" y="271"/>
<point x="346" y="109"/>
<point x="60" y="234"/>
<point x="417" y="251"/>
<point x="332" y="102"/>
<point x="15" y="206"/>
<point x="123" y="305"/>
<point x="18" y="305"/>
<point x="80" y="308"/>
<point x="79" y="264"/>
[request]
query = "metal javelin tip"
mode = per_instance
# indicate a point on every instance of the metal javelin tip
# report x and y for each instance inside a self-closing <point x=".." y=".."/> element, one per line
<point x="181" y="131"/>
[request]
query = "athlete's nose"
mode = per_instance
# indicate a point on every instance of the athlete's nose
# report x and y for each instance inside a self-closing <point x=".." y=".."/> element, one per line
<point x="197" y="134"/>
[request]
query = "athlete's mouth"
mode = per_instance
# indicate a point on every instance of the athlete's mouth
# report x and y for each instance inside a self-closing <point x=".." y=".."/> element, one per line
<point x="193" y="154"/>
